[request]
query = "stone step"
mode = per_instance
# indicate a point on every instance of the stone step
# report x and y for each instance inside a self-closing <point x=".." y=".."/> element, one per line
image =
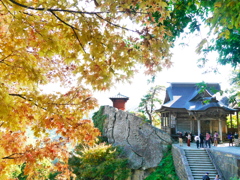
<point x="197" y="158"/>
<point x="196" y="154"/>
<point x="200" y="176"/>
<point x="200" y="171"/>
<point x="202" y="167"/>
<point x="199" y="155"/>
<point x="193" y="164"/>
<point x="199" y="162"/>
<point x="193" y="150"/>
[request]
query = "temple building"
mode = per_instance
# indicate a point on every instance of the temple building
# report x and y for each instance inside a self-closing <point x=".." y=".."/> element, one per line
<point x="119" y="101"/>
<point x="190" y="108"/>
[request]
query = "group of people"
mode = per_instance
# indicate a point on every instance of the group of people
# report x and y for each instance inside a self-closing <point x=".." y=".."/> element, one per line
<point x="206" y="177"/>
<point x="232" y="137"/>
<point x="205" y="141"/>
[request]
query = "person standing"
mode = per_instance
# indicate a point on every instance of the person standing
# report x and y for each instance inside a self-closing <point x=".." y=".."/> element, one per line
<point x="217" y="177"/>
<point x="192" y="137"/>
<point x="197" y="140"/>
<point x="215" y="140"/>
<point x="186" y="134"/>
<point x="230" y="138"/>
<point x="180" y="138"/>
<point x="206" y="176"/>
<point x="236" y="139"/>
<point x="208" y="139"/>
<point x="201" y="140"/>
<point x="188" y="139"/>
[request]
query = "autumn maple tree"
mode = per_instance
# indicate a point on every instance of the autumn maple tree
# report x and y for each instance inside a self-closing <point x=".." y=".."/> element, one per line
<point x="93" y="43"/>
<point x="65" y="41"/>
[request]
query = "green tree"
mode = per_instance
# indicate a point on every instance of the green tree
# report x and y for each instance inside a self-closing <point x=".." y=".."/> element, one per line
<point x="99" y="162"/>
<point x="150" y="101"/>
<point x="232" y="124"/>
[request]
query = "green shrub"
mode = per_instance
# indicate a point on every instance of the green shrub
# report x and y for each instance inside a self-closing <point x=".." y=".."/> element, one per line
<point x="234" y="178"/>
<point x="99" y="162"/>
<point x="98" y="119"/>
<point x="165" y="170"/>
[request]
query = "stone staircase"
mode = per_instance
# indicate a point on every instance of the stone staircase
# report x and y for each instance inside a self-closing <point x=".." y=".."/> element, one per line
<point x="200" y="163"/>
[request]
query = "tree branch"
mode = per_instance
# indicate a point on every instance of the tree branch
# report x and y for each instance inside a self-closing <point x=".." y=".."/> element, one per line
<point x="2" y="60"/>
<point x="115" y="24"/>
<point x="11" y="156"/>
<point x="73" y="28"/>
<point x="19" y="95"/>
<point x="70" y="11"/>
<point x="78" y="12"/>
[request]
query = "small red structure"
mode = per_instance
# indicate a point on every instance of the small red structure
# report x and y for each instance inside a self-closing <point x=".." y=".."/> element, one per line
<point x="119" y="101"/>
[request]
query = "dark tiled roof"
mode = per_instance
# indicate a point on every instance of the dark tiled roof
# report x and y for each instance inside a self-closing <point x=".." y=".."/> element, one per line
<point x="187" y="96"/>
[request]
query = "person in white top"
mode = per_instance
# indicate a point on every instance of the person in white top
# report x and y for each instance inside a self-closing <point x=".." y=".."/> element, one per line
<point x="197" y="140"/>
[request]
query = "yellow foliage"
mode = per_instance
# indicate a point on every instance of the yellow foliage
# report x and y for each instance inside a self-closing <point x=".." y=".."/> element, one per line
<point x="45" y="41"/>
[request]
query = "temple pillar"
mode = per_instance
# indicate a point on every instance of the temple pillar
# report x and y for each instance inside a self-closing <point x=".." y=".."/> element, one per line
<point x="238" y="124"/>
<point x="161" y="117"/>
<point x="220" y="129"/>
<point x="231" y="121"/>
<point x="199" y="127"/>
<point x="210" y="128"/>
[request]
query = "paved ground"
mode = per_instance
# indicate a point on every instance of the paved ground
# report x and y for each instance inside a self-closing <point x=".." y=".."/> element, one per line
<point x="221" y="147"/>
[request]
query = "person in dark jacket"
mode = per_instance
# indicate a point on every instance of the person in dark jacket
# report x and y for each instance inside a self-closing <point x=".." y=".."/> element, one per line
<point x="192" y="137"/>
<point x="206" y="176"/>
<point x="185" y="135"/>
<point x="230" y="138"/>
<point x="201" y="140"/>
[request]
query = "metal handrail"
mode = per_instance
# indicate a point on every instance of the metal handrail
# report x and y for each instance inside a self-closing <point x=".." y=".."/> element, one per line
<point x="215" y="164"/>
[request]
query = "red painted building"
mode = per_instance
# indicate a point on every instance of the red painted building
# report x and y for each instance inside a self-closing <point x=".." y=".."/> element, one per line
<point x="119" y="101"/>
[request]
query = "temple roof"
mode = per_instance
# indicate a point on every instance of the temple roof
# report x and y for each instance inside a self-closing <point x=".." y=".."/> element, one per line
<point x="190" y="97"/>
<point x="119" y="96"/>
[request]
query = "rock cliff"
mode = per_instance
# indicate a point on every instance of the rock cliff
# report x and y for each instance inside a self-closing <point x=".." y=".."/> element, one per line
<point x="143" y="144"/>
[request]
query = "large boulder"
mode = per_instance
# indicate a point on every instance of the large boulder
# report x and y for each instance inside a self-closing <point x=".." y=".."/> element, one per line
<point x="143" y="144"/>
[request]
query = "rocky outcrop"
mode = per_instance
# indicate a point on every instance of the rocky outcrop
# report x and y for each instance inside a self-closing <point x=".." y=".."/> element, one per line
<point x="143" y="144"/>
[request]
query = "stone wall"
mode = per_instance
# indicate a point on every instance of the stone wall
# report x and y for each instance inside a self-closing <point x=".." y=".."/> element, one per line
<point x="228" y="163"/>
<point x="143" y="144"/>
<point x="181" y="164"/>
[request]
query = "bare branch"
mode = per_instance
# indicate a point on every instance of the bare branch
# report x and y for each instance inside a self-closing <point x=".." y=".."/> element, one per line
<point x="63" y="21"/>
<point x="79" y="12"/>
<point x="115" y="24"/>
<point x="71" y="11"/>
<point x="2" y="60"/>
<point x="11" y="156"/>
<point x="21" y="96"/>
<point x="78" y="39"/>
<point x="73" y="28"/>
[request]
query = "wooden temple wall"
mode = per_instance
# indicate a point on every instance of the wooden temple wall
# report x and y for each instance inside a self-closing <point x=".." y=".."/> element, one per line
<point x="183" y="123"/>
